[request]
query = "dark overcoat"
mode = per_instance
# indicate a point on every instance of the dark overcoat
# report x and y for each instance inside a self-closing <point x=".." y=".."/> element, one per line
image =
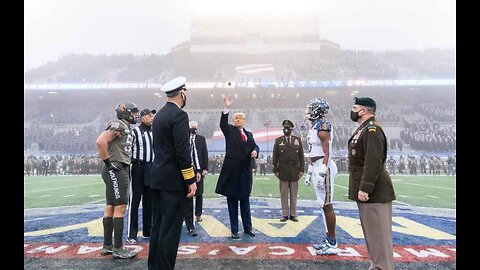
<point x="235" y="180"/>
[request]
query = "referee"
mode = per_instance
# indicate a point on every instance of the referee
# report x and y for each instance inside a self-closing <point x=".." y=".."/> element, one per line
<point x="142" y="158"/>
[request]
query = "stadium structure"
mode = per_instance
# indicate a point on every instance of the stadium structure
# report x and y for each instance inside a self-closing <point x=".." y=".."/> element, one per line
<point x="271" y="65"/>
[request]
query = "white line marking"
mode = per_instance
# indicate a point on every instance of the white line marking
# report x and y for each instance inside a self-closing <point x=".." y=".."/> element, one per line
<point x="402" y="203"/>
<point x="93" y="196"/>
<point x="427" y="186"/>
<point x="341" y="186"/>
<point x="96" y="201"/>
<point x="67" y="196"/>
<point x="431" y="196"/>
<point x="403" y="196"/>
<point x="44" y="196"/>
<point x="48" y="189"/>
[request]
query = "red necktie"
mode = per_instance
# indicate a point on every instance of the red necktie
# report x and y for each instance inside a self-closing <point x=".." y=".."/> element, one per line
<point x="244" y="138"/>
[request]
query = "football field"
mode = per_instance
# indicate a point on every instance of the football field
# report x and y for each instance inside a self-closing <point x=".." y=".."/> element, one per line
<point x="437" y="191"/>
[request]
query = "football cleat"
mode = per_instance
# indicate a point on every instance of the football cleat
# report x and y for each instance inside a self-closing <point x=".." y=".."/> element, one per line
<point x="123" y="253"/>
<point x="106" y="250"/>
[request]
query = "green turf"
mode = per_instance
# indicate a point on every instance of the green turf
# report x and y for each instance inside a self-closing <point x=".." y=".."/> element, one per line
<point x="50" y="191"/>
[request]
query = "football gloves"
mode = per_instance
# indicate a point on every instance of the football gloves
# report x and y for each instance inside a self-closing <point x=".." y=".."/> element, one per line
<point x="112" y="166"/>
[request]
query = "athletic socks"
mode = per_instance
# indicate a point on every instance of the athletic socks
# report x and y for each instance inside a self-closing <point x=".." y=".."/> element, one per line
<point x="117" y="232"/>
<point x="107" y="231"/>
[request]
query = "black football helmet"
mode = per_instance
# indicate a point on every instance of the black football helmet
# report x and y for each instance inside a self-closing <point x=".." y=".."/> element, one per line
<point x="124" y="111"/>
<point x="316" y="108"/>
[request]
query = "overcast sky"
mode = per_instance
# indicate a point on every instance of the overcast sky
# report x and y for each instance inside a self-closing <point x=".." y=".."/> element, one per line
<point x="54" y="28"/>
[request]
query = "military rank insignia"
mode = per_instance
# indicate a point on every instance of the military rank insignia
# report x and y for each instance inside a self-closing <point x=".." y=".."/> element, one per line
<point x="353" y="152"/>
<point x="324" y="126"/>
<point x="372" y="129"/>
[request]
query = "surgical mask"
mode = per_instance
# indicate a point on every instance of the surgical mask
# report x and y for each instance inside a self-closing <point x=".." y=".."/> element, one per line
<point x="287" y="131"/>
<point x="354" y="116"/>
<point x="193" y="130"/>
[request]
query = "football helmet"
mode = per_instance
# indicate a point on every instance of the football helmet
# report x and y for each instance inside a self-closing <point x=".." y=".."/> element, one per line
<point x="124" y="111"/>
<point x="316" y="108"/>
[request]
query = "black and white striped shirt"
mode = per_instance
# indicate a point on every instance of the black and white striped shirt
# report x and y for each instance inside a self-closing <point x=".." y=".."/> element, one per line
<point x="142" y="148"/>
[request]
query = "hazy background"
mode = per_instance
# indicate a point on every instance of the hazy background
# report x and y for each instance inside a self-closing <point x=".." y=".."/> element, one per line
<point x="54" y="28"/>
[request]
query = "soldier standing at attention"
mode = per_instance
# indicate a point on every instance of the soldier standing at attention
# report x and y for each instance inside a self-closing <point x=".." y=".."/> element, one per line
<point x="288" y="166"/>
<point x="370" y="184"/>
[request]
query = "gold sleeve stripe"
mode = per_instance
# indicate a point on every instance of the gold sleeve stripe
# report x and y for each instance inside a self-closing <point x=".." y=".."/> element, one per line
<point x="188" y="173"/>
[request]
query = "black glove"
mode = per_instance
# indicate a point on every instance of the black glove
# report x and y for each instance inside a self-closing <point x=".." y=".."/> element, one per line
<point x="112" y="166"/>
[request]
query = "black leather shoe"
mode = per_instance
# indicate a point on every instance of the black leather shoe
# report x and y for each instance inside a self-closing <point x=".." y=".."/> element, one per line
<point x="284" y="218"/>
<point x="250" y="233"/>
<point x="294" y="219"/>
<point x="235" y="236"/>
<point x="192" y="232"/>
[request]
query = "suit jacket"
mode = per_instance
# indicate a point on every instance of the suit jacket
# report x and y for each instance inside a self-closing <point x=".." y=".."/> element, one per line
<point x="367" y="153"/>
<point x="172" y="168"/>
<point x="288" y="158"/>
<point x="202" y="152"/>
<point x="235" y="178"/>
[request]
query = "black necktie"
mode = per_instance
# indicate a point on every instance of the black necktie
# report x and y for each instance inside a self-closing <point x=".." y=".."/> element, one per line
<point x="194" y="153"/>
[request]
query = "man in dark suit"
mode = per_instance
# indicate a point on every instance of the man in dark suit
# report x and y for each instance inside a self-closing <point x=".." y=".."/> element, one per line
<point x="288" y="166"/>
<point x="370" y="184"/>
<point x="235" y="180"/>
<point x="173" y="177"/>
<point x="199" y="154"/>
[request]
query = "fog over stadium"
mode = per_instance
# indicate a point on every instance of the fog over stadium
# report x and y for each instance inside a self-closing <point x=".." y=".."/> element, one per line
<point x="54" y="28"/>
<point x="84" y="57"/>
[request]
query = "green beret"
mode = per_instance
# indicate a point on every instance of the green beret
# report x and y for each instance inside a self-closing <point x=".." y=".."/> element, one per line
<point x="365" y="101"/>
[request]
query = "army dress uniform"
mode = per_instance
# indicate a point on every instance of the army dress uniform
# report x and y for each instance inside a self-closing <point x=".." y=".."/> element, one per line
<point x="367" y="153"/>
<point x="288" y="162"/>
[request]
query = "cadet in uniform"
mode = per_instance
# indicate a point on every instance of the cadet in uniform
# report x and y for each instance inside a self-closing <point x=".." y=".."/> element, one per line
<point x="173" y="178"/>
<point x="288" y="166"/>
<point x="370" y="184"/>
<point x="115" y="149"/>
<point x="322" y="170"/>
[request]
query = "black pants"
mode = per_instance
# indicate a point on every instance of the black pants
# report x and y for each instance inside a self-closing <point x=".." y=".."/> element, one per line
<point x="189" y="210"/>
<point x="138" y="191"/>
<point x="244" y="212"/>
<point x="168" y="208"/>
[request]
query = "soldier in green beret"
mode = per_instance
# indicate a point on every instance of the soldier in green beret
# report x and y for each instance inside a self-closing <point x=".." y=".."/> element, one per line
<point x="370" y="184"/>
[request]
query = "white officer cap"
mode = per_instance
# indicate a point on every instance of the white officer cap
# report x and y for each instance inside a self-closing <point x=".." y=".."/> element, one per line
<point x="173" y="86"/>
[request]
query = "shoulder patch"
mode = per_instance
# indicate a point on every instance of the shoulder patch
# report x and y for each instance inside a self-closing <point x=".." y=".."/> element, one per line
<point x="322" y="124"/>
<point x="115" y="125"/>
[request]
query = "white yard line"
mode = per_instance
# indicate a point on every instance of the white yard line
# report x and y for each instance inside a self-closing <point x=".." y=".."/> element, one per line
<point x="96" y="201"/>
<point x="341" y="186"/>
<point x="67" y="196"/>
<point x="44" y="196"/>
<point x="431" y="196"/>
<point x="425" y="186"/>
<point x="48" y="189"/>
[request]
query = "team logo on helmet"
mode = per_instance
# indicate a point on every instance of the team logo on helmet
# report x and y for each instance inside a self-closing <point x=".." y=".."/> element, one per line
<point x="124" y="111"/>
<point x="316" y="108"/>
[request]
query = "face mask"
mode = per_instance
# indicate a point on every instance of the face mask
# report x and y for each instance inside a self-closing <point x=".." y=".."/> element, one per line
<point x="287" y="131"/>
<point x="354" y="116"/>
<point x="193" y="130"/>
<point x="184" y="98"/>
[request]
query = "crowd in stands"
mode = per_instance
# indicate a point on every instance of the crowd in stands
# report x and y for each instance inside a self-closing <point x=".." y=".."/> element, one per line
<point x="321" y="65"/>
<point x="427" y="135"/>
<point x="71" y="121"/>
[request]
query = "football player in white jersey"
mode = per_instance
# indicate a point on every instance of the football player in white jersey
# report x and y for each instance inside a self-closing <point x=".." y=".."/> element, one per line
<point x="322" y="170"/>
